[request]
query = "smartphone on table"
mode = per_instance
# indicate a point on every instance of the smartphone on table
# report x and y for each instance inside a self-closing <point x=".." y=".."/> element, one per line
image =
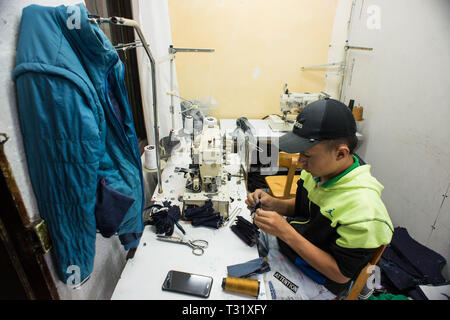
<point x="188" y="283"/>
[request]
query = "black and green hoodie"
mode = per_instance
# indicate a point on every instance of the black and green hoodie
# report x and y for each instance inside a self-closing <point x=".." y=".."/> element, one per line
<point x="344" y="217"/>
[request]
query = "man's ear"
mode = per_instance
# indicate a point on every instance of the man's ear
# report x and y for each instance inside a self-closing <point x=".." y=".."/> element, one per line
<point x="342" y="151"/>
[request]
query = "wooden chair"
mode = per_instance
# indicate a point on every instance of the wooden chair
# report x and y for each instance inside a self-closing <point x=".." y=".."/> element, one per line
<point x="285" y="187"/>
<point x="364" y="275"/>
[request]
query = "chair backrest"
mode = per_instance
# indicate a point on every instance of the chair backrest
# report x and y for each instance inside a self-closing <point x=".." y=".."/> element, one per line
<point x="285" y="160"/>
<point x="289" y="161"/>
<point x="364" y="274"/>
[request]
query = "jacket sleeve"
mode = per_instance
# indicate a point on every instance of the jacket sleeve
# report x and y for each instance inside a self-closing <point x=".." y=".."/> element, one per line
<point x="62" y="134"/>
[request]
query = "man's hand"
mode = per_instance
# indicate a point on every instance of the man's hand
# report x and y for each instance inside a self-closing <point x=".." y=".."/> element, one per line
<point x="271" y="222"/>
<point x="267" y="202"/>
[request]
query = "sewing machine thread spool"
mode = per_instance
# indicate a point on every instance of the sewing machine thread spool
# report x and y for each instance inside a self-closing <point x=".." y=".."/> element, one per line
<point x="358" y="113"/>
<point x="239" y="285"/>
<point x="188" y="124"/>
<point x="210" y="121"/>
<point x="150" y="157"/>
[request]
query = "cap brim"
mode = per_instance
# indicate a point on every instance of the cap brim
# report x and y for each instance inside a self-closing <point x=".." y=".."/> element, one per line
<point x="292" y="143"/>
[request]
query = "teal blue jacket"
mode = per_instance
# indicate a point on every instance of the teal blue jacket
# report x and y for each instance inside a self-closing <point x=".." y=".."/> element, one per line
<point x="78" y="133"/>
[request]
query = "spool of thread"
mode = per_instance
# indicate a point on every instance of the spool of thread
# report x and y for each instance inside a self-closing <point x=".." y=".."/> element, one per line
<point x="239" y="285"/>
<point x="150" y="157"/>
<point x="358" y="113"/>
<point x="188" y="124"/>
<point x="210" y="121"/>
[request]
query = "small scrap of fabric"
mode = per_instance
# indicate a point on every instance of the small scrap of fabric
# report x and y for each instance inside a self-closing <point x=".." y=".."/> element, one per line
<point x="249" y="268"/>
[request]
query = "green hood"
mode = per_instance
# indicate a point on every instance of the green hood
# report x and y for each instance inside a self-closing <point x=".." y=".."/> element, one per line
<point x="354" y="207"/>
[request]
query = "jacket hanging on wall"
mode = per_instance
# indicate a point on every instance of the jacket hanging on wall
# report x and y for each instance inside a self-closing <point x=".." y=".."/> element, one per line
<point x="78" y="133"/>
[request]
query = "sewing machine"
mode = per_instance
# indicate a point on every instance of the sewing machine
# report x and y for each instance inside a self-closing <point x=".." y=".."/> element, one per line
<point x="207" y="178"/>
<point x="291" y="104"/>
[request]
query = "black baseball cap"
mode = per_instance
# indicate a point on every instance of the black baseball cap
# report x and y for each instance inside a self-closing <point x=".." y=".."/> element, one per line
<point x="326" y="119"/>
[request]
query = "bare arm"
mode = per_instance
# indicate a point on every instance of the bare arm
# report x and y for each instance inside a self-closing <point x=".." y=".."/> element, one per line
<point x="271" y="222"/>
<point x="316" y="257"/>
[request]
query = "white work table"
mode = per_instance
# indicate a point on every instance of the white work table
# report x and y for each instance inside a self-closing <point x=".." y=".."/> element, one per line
<point x="144" y="274"/>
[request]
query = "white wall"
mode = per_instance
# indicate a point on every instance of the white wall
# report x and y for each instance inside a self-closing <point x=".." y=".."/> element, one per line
<point x="110" y="257"/>
<point x="403" y="85"/>
<point x="336" y="51"/>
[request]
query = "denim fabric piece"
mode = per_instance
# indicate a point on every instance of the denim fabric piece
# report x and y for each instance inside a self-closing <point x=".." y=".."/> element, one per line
<point x="165" y="219"/>
<point x="407" y="263"/>
<point x="204" y="216"/>
<point x="191" y="213"/>
<point x="399" y="278"/>
<point x="246" y="231"/>
<point x="244" y="270"/>
<point x="428" y="262"/>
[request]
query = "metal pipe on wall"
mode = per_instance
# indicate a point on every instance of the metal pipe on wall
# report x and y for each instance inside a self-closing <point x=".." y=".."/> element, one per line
<point x="172" y="53"/>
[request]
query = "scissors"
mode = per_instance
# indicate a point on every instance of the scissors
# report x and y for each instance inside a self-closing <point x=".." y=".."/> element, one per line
<point x="198" y="246"/>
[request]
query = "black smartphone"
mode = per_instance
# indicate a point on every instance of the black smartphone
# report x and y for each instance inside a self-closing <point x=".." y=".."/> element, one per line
<point x="189" y="283"/>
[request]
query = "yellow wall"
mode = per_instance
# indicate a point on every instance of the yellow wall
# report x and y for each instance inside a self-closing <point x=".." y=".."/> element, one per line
<point x="260" y="45"/>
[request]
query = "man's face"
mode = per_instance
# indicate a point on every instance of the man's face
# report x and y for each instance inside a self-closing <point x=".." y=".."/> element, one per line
<point x="319" y="161"/>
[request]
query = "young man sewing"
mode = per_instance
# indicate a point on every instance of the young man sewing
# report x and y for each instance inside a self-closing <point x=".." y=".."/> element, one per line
<point x="337" y="219"/>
